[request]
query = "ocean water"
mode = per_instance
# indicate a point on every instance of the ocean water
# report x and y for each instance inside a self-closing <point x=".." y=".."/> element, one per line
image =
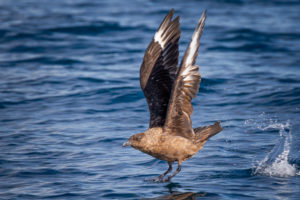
<point x="70" y="96"/>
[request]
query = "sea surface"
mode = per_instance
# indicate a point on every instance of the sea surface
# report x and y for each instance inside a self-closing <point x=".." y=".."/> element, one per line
<point x="70" y="96"/>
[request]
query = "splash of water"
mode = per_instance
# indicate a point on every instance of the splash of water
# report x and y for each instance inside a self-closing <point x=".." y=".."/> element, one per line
<point x="276" y="162"/>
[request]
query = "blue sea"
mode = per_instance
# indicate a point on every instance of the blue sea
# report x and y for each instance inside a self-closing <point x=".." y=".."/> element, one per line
<point x="70" y="96"/>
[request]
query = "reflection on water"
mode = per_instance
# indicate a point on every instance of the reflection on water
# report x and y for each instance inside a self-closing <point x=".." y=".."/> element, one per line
<point x="181" y="196"/>
<point x="176" y="195"/>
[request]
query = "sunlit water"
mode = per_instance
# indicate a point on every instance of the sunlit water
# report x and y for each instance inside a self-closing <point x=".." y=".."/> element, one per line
<point x="70" y="96"/>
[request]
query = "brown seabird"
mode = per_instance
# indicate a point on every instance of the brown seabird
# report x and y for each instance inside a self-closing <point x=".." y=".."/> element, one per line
<point x="169" y="91"/>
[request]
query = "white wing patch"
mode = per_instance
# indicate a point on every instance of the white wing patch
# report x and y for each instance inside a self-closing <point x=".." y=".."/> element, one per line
<point x="192" y="51"/>
<point x="158" y="38"/>
<point x="193" y="48"/>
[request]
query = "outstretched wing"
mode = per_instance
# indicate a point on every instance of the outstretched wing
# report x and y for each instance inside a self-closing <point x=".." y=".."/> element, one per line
<point x="186" y="86"/>
<point x="158" y="70"/>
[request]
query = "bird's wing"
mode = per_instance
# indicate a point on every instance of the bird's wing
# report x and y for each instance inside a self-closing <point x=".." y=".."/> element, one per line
<point x="186" y="86"/>
<point x="158" y="70"/>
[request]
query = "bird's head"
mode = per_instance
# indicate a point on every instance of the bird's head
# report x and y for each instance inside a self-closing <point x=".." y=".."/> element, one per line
<point x="135" y="140"/>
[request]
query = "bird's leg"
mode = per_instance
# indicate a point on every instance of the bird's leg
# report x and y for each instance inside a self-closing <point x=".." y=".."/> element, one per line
<point x="160" y="178"/>
<point x="166" y="172"/>
<point x="176" y="172"/>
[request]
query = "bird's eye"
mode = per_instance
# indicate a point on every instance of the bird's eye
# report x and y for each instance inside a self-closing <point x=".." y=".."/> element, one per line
<point x="138" y="138"/>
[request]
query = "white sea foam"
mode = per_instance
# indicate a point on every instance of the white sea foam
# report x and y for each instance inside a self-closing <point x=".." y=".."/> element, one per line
<point x="276" y="162"/>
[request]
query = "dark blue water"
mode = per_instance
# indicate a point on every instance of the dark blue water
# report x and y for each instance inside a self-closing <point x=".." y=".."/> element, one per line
<point x="70" y="96"/>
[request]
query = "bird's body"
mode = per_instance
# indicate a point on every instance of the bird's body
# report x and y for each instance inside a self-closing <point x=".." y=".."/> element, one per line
<point x="166" y="147"/>
<point x="171" y="148"/>
<point x="169" y="91"/>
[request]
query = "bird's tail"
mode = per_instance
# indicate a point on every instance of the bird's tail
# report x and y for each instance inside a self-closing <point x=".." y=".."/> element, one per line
<point x="202" y="134"/>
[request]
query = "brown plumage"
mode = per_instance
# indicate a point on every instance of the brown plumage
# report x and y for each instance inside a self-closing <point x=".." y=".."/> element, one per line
<point x="169" y="91"/>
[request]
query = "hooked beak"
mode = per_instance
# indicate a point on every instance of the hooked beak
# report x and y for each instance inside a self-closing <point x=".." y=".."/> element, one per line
<point x="125" y="144"/>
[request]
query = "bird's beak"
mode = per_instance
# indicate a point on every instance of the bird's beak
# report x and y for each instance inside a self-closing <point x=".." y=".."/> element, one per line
<point x="125" y="144"/>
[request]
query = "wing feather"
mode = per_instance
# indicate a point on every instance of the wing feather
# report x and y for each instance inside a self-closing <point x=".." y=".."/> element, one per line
<point x="186" y="86"/>
<point x="158" y="70"/>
